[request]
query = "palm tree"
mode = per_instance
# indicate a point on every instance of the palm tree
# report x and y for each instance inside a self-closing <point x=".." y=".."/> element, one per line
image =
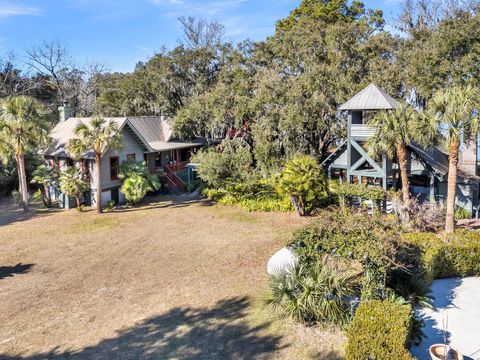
<point x="45" y="176"/>
<point x="394" y="133"/>
<point x="453" y="113"/>
<point x="96" y="136"/>
<point x="72" y="183"/>
<point x="23" y="127"/>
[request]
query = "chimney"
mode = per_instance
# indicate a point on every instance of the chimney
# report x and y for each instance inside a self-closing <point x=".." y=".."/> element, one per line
<point x="64" y="112"/>
<point x="468" y="157"/>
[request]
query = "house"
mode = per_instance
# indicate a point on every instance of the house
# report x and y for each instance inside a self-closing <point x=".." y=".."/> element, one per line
<point x="148" y="139"/>
<point x="427" y="168"/>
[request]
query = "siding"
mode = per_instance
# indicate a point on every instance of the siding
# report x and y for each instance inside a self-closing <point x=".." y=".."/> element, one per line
<point x="130" y="146"/>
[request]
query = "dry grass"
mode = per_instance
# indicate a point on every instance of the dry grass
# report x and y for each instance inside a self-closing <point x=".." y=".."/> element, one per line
<point x="167" y="280"/>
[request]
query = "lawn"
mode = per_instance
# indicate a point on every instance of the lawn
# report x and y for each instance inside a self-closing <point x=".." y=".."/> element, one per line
<point x="171" y="279"/>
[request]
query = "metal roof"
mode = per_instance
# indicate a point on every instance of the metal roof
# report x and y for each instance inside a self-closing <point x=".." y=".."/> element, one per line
<point x="154" y="132"/>
<point x="371" y="98"/>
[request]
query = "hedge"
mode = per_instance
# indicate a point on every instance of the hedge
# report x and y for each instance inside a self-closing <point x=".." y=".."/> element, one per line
<point x="380" y="330"/>
<point x="456" y="255"/>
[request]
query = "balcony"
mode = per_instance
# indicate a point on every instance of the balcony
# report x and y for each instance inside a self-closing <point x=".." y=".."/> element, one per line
<point x="361" y="131"/>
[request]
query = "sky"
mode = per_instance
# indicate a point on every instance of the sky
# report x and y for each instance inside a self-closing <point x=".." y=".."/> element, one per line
<point x="120" y="33"/>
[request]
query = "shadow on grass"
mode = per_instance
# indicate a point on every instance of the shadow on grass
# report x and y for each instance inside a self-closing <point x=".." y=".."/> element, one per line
<point x="12" y="214"/>
<point x="165" y="201"/>
<point x="220" y="332"/>
<point x="8" y="271"/>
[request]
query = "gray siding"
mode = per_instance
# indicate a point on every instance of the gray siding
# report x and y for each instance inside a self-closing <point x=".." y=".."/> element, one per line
<point x="130" y="146"/>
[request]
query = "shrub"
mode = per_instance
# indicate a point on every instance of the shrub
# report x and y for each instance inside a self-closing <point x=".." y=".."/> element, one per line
<point x="252" y="195"/>
<point x="375" y="242"/>
<point x="224" y="165"/>
<point x="138" y="181"/>
<point x="72" y="183"/>
<point x="303" y="181"/>
<point x="313" y="293"/>
<point x="456" y="255"/>
<point x="462" y="213"/>
<point x="380" y="330"/>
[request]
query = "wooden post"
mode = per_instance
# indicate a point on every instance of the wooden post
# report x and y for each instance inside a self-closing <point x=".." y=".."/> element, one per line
<point x="432" y="187"/>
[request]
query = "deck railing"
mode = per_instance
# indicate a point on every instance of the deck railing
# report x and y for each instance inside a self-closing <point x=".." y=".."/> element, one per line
<point x="172" y="180"/>
<point x="361" y="131"/>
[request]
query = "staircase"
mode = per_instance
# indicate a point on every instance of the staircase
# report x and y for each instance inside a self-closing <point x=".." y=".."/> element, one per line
<point x="171" y="179"/>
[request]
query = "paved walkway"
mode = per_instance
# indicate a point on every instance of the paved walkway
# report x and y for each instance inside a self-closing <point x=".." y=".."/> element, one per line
<point x="457" y="305"/>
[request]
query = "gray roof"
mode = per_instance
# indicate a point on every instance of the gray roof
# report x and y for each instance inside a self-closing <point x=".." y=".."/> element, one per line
<point x="371" y="98"/>
<point x="437" y="160"/>
<point x="154" y="132"/>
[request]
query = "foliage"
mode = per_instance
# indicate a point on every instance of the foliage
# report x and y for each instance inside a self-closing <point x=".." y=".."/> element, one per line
<point x="97" y="136"/>
<point x="394" y="131"/>
<point x="303" y="180"/>
<point x="345" y="233"/>
<point x="265" y="203"/>
<point x="224" y="165"/>
<point x="45" y="176"/>
<point x="380" y="330"/>
<point x="23" y="128"/>
<point x="462" y="213"/>
<point x="330" y="12"/>
<point x="138" y="181"/>
<point x="347" y="190"/>
<point x="453" y="114"/>
<point x="426" y="216"/>
<point x="314" y="293"/>
<point x="456" y="255"/>
<point x="72" y="183"/>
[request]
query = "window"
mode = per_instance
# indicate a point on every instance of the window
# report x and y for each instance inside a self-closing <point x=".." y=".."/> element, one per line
<point x="114" y="167"/>
<point x="70" y="162"/>
<point x="130" y="157"/>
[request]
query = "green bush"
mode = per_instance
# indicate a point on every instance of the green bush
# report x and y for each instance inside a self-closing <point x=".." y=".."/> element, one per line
<point x="223" y="165"/>
<point x="351" y="234"/>
<point x="462" y="213"/>
<point x="380" y="330"/>
<point x="361" y="191"/>
<point x="138" y="180"/>
<point x="314" y="293"/>
<point x="456" y="255"/>
<point x="252" y="195"/>
<point x="303" y="181"/>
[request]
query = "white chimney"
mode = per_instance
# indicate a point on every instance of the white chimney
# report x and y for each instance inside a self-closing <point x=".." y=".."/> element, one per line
<point x="64" y="112"/>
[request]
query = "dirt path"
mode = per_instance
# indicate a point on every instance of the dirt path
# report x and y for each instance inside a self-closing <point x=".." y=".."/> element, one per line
<point x="168" y="280"/>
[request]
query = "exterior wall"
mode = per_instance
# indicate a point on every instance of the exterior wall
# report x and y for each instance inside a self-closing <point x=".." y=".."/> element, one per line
<point x="130" y="146"/>
<point x="468" y="157"/>
<point x="465" y="195"/>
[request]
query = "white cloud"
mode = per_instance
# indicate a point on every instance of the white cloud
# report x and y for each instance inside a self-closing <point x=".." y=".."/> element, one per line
<point x="8" y="9"/>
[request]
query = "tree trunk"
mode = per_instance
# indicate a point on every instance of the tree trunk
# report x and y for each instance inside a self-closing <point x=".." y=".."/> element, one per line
<point x="297" y="205"/>
<point x="452" y="186"/>
<point x="98" y="195"/>
<point x="48" y="197"/>
<point x="22" y="180"/>
<point x="402" y="155"/>
<point x="79" y="204"/>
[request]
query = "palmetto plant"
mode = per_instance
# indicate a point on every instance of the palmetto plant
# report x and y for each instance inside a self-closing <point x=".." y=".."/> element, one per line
<point x="453" y="116"/>
<point x="303" y="180"/>
<point x="314" y="293"/>
<point x="72" y="183"/>
<point x="395" y="131"/>
<point x="96" y="136"/>
<point x="138" y="180"/>
<point x="23" y="127"/>
<point x="45" y="176"/>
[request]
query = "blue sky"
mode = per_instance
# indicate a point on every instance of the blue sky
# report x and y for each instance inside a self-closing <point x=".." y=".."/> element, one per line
<point x="120" y="33"/>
